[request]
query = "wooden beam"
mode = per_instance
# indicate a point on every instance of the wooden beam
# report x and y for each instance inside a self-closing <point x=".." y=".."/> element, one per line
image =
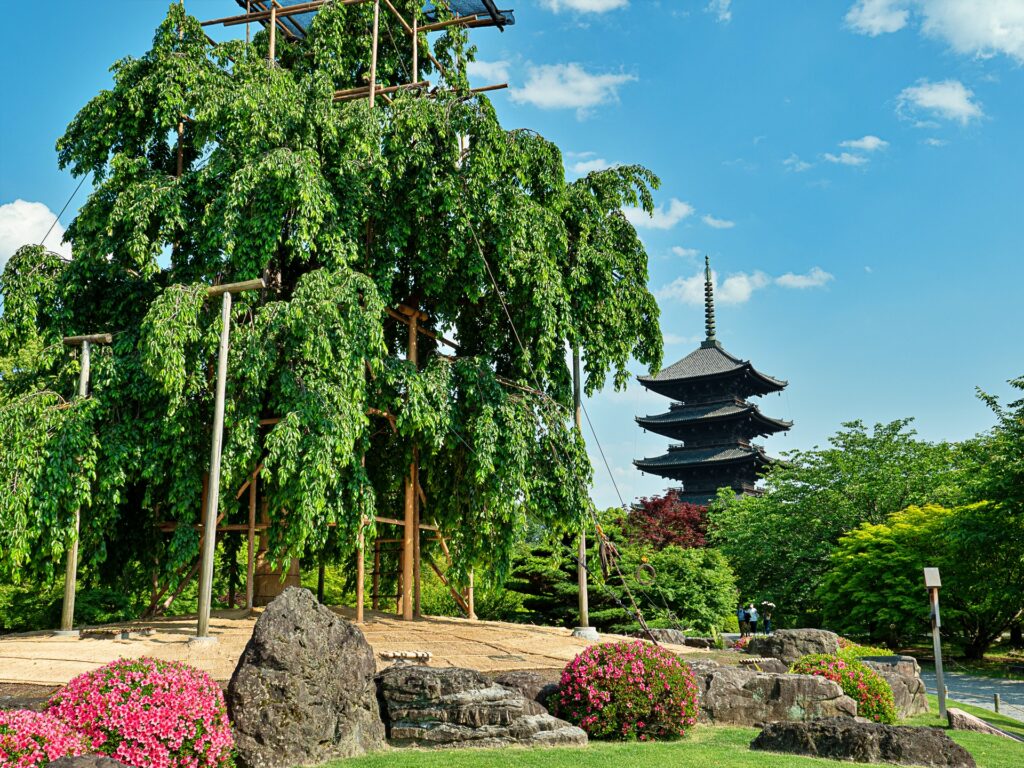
<point x="461" y="20"/>
<point x="348" y="94"/>
<point x="92" y="338"/>
<point x="393" y="521"/>
<point x="245" y="285"/>
<point x="264" y="13"/>
<point x="360" y="569"/>
<point x="409" y="530"/>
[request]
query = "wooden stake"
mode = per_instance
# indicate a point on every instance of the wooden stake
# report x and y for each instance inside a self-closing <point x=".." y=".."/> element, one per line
<point x="416" y="536"/>
<point x="470" y="600"/>
<point x="373" y="51"/>
<point x="250" y="566"/>
<point x="273" y="35"/>
<point x="360" y="570"/>
<point x="411" y="532"/>
<point x="375" y="590"/>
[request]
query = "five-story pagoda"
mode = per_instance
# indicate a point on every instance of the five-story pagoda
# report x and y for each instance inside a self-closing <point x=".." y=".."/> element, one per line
<point x="711" y="417"/>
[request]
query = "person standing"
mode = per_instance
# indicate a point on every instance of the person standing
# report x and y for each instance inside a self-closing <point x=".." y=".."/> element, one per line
<point x="767" y="618"/>
<point x="741" y="619"/>
<point x="753" y="617"/>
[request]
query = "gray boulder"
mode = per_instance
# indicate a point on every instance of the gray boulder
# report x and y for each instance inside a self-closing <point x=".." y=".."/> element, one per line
<point x="303" y="692"/>
<point x="671" y="636"/>
<point x="455" y="707"/>
<point x="964" y="721"/>
<point x="863" y="742"/>
<point x="743" y="696"/>
<point x="535" y="687"/>
<point x="86" y="761"/>
<point x="904" y="677"/>
<point x="788" y="645"/>
<point x="765" y="664"/>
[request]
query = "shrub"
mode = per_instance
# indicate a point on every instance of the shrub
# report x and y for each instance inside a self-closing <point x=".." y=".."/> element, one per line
<point x="851" y="650"/>
<point x="861" y="683"/>
<point x="741" y="643"/>
<point x="30" y="739"/>
<point x="630" y="690"/>
<point x="145" y="713"/>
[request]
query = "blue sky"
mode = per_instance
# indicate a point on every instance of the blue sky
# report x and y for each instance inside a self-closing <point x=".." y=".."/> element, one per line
<point x="855" y="170"/>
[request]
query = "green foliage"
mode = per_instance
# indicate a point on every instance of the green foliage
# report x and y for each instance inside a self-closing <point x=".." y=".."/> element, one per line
<point x="861" y="683"/>
<point x="347" y="212"/>
<point x="875" y="587"/>
<point x="780" y="543"/>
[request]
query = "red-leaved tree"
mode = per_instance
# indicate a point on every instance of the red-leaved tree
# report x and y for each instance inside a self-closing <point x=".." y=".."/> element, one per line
<point x="665" y="520"/>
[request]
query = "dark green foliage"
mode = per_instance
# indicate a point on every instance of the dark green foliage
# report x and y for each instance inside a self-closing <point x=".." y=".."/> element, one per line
<point x="346" y="211"/>
<point x="780" y="543"/>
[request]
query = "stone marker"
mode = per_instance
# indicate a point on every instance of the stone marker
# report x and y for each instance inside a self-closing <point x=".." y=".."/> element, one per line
<point x="964" y="721"/>
<point x="791" y="644"/>
<point x="863" y="742"/>
<point x="303" y="691"/>
<point x="455" y="707"/>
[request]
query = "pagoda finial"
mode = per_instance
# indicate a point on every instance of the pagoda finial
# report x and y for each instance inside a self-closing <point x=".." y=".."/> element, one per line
<point x="709" y="304"/>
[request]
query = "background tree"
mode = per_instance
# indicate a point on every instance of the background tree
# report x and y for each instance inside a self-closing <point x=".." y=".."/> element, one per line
<point x="874" y="588"/>
<point x="346" y="211"/>
<point x="781" y="542"/>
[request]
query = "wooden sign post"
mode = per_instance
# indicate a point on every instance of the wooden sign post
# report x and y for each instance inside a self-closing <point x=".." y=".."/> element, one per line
<point x="209" y="538"/>
<point x="933" y="582"/>
<point x="67" y="614"/>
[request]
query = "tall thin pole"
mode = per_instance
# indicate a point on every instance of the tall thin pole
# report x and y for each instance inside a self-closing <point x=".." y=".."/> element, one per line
<point x="67" y="614"/>
<point x="213" y="496"/>
<point x="273" y="34"/>
<point x="250" y="564"/>
<point x="373" y="51"/>
<point x="415" y="47"/>
<point x="360" y="570"/>
<point x="940" y="682"/>
<point x="409" y="529"/>
<point x="581" y="566"/>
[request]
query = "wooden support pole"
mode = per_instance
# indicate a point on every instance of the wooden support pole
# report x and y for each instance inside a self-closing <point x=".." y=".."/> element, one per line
<point x="415" y="46"/>
<point x="360" y="570"/>
<point x="373" y="51"/>
<point x="581" y="566"/>
<point x="375" y="589"/>
<point x="250" y="564"/>
<point x="411" y="532"/>
<point x="67" y="614"/>
<point x="213" y="496"/>
<point x="470" y="598"/>
<point x="273" y="36"/>
<point x="416" y="535"/>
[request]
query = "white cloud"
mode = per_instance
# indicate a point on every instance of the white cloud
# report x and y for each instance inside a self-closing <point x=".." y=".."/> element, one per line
<point x="866" y="144"/>
<point x="795" y="164"/>
<point x="721" y="10"/>
<point x="569" y="86"/>
<point x="714" y="223"/>
<point x="664" y="217"/>
<point x="845" y="158"/>
<point x="583" y="167"/>
<point x="933" y="142"/>
<point x="25" y="223"/>
<point x="973" y="27"/>
<point x="489" y="71"/>
<point x="584" y="6"/>
<point x="876" y="17"/>
<point x="815" y="278"/>
<point x="737" y="288"/>
<point x="686" y="253"/>
<point x="949" y="99"/>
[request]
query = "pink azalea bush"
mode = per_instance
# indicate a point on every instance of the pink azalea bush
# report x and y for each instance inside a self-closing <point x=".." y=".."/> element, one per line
<point x="630" y="690"/>
<point x="31" y="739"/>
<point x="149" y="713"/>
<point x="741" y="643"/>
<point x="861" y="683"/>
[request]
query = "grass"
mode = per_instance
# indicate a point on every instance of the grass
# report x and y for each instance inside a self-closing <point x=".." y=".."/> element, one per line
<point x="703" y="746"/>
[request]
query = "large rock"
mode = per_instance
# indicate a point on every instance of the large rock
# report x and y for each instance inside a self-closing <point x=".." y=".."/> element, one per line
<point x="964" y="721"/>
<point x="904" y="677"/>
<point x="303" y="691"/>
<point x="863" y="742"/>
<point x="790" y="644"/>
<point x="535" y="687"/>
<point x="454" y="707"/>
<point x="765" y="664"/>
<point x="743" y="696"/>
<point x="86" y="761"/>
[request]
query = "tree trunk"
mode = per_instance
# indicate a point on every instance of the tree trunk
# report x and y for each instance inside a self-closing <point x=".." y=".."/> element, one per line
<point x="1017" y="634"/>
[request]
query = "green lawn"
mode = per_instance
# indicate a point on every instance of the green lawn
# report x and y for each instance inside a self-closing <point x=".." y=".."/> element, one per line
<point x="704" y="747"/>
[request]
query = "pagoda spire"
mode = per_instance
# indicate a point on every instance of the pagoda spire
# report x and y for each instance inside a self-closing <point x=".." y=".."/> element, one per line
<point x="709" y="306"/>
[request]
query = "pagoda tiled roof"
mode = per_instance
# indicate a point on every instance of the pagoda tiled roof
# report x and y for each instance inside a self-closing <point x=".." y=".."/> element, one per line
<point x="703" y="456"/>
<point x="723" y="409"/>
<point x="709" y="359"/>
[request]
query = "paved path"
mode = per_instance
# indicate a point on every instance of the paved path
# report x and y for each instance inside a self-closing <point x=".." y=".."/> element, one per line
<point x="978" y="691"/>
